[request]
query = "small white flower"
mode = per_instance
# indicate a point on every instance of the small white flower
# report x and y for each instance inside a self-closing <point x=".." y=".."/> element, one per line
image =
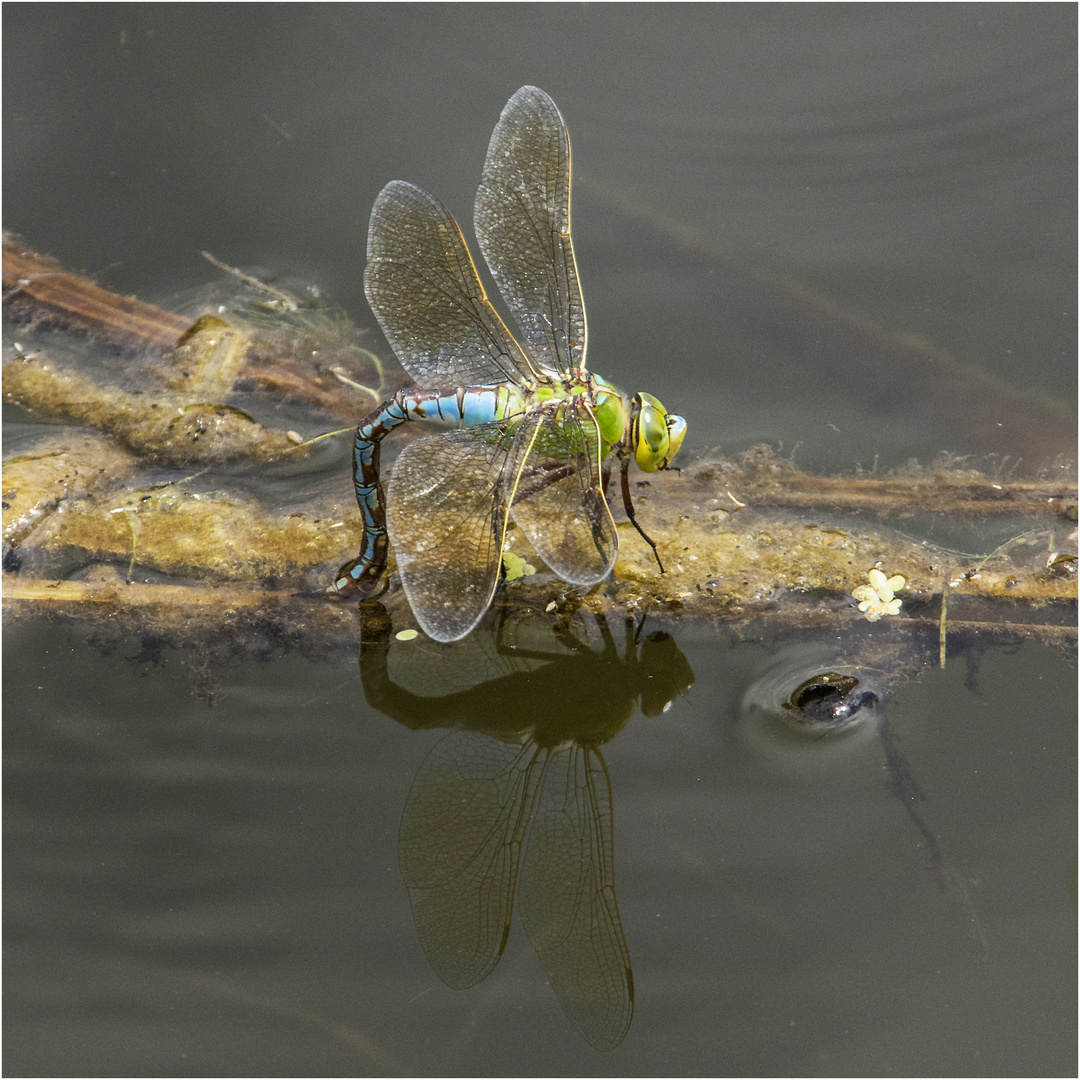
<point x="877" y="599"/>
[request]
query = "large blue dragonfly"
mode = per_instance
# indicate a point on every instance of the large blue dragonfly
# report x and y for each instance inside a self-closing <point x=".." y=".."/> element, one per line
<point x="533" y="429"/>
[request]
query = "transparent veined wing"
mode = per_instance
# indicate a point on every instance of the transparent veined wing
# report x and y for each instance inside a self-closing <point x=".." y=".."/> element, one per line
<point x="459" y="848"/>
<point x="422" y="285"/>
<point x="566" y="896"/>
<point x="552" y="483"/>
<point x="522" y="223"/>
<point x="447" y="522"/>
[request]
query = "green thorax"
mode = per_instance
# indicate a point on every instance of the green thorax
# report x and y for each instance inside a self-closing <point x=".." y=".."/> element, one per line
<point x="639" y="422"/>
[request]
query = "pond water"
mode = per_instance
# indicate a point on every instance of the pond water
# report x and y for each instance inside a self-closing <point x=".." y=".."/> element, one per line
<point x="216" y="891"/>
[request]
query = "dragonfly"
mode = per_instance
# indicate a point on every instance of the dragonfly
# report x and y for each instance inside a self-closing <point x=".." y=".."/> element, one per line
<point x="532" y="433"/>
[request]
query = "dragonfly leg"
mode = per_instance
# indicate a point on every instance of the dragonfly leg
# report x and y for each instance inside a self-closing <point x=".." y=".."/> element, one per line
<point x="629" y="505"/>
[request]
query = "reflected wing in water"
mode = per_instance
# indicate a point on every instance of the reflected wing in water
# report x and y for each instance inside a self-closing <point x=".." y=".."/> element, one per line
<point x="459" y="846"/>
<point x="567" y="897"/>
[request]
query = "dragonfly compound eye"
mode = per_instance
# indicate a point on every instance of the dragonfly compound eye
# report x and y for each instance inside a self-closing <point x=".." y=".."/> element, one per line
<point x="657" y="434"/>
<point x="676" y="427"/>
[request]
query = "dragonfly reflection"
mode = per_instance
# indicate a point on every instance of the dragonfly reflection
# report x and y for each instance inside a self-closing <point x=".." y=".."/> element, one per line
<point x="522" y="805"/>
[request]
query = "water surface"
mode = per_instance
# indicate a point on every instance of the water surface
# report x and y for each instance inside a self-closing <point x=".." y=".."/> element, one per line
<point x="215" y="891"/>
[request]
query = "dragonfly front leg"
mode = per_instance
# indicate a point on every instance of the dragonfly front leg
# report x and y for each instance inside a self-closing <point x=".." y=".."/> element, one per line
<point x="629" y="506"/>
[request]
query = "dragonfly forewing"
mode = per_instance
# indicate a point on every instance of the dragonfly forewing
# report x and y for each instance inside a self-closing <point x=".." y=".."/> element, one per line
<point x="422" y="285"/>
<point x="459" y="848"/>
<point x="522" y="222"/>
<point x="447" y="522"/>
<point x="552" y="483"/>
<point x="566" y="896"/>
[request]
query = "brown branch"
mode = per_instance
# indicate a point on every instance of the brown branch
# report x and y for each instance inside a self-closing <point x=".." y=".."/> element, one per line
<point x="47" y="293"/>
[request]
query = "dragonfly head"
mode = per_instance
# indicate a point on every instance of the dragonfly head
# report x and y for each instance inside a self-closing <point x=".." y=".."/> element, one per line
<point x="655" y="435"/>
